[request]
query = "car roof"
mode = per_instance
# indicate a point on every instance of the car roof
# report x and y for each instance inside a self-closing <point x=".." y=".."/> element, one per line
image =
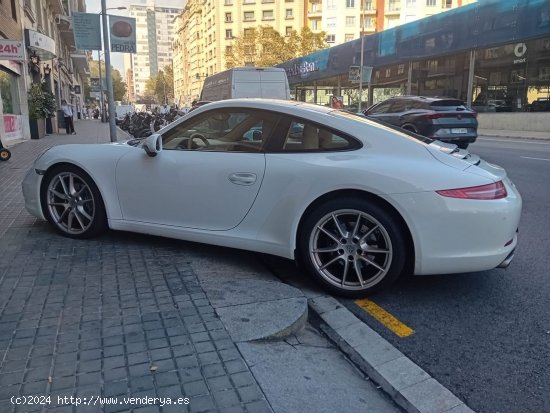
<point x="267" y="104"/>
<point x="427" y="99"/>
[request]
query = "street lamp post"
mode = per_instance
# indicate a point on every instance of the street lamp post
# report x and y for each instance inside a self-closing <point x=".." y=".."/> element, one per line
<point x="108" y="75"/>
<point x="362" y="17"/>
<point x="102" y="105"/>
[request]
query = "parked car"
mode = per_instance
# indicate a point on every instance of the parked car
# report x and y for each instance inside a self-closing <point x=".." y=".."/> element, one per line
<point x="540" y="105"/>
<point x="356" y="203"/>
<point x="444" y="119"/>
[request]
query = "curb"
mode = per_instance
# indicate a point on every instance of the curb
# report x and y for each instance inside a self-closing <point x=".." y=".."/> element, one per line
<point x="408" y="385"/>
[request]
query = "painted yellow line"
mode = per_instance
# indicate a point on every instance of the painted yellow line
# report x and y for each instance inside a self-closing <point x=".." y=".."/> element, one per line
<point x="385" y="318"/>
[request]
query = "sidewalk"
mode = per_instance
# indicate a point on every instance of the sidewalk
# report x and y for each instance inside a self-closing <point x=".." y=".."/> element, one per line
<point x="135" y="316"/>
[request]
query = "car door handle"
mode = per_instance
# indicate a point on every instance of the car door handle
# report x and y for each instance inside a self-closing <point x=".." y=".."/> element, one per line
<point x="243" y="178"/>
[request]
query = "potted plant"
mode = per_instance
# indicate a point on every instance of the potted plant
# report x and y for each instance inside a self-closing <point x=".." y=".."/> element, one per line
<point x="41" y="106"/>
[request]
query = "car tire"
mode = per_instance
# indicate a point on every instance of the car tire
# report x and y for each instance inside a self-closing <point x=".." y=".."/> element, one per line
<point x="72" y="203"/>
<point x="349" y="256"/>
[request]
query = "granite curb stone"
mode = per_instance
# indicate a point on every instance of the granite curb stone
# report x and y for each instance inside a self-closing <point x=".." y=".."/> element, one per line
<point x="411" y="387"/>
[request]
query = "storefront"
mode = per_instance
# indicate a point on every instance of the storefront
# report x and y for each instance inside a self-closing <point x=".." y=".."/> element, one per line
<point x="494" y="55"/>
<point x="11" y="87"/>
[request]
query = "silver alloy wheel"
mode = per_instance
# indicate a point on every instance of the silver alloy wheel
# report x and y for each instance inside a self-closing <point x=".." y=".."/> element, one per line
<point x="70" y="203"/>
<point x="350" y="249"/>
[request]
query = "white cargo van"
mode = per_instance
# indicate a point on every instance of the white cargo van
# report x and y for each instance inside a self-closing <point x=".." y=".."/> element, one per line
<point x="246" y="82"/>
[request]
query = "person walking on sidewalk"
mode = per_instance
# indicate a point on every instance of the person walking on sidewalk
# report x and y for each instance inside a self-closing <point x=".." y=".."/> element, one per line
<point x="68" y="114"/>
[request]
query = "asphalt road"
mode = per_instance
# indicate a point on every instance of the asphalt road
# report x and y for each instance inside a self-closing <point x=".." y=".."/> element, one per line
<point x="486" y="336"/>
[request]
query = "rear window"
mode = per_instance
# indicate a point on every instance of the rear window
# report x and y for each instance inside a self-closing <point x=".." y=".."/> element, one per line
<point x="447" y="105"/>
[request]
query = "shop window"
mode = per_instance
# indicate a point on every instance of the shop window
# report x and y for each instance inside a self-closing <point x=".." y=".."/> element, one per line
<point x="400" y="69"/>
<point x="8" y="92"/>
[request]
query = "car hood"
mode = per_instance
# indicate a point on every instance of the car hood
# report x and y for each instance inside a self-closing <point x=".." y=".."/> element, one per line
<point x="462" y="159"/>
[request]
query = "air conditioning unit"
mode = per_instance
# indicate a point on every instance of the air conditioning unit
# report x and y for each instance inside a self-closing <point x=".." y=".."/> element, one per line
<point x="62" y="19"/>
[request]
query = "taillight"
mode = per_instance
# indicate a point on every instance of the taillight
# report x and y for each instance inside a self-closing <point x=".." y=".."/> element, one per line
<point x="495" y="190"/>
<point x="435" y="116"/>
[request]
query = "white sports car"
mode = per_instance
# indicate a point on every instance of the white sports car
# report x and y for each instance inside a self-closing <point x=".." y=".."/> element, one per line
<point x="355" y="202"/>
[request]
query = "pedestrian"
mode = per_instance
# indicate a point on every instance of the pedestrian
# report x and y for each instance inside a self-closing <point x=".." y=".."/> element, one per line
<point x="68" y="115"/>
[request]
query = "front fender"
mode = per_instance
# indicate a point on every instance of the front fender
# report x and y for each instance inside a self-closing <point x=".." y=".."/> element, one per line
<point x="98" y="161"/>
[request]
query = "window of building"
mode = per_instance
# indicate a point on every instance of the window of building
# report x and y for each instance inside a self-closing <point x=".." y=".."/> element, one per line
<point x="248" y="16"/>
<point x="288" y="30"/>
<point x="400" y="69"/>
<point x="228" y="50"/>
<point x="350" y="4"/>
<point x="430" y="3"/>
<point x="228" y="2"/>
<point x="331" y="4"/>
<point x="349" y="37"/>
<point x="248" y="32"/>
<point x="314" y="24"/>
<point x="331" y="38"/>
<point x="228" y="17"/>
<point x="249" y="1"/>
<point x="447" y="4"/>
<point x="8" y="92"/>
<point x="367" y="4"/>
<point x="289" y="13"/>
<point x="331" y="22"/>
<point x="229" y="34"/>
<point x="350" y="21"/>
<point x="267" y="15"/>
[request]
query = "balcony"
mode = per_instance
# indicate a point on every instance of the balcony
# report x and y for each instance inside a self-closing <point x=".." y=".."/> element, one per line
<point x="315" y="13"/>
<point x="392" y="9"/>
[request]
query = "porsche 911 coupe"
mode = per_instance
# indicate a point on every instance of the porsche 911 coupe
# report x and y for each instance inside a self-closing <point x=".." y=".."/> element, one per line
<point x="354" y="202"/>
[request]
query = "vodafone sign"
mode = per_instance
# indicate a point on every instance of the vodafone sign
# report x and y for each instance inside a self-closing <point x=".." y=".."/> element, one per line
<point x="11" y="50"/>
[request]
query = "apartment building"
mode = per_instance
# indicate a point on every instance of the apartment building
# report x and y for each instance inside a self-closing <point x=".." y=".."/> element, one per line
<point x="49" y="57"/>
<point x="344" y="20"/>
<point x="208" y="28"/>
<point x="154" y="34"/>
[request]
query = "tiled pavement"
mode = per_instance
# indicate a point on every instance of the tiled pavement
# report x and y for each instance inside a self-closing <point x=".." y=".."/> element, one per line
<point x="106" y="318"/>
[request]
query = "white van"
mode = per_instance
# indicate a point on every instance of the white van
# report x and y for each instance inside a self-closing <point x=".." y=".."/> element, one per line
<point x="246" y="82"/>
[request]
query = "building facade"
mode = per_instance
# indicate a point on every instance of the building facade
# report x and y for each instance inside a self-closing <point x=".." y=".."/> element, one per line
<point x="208" y="29"/>
<point x="50" y="58"/>
<point x="471" y="54"/>
<point x="155" y="30"/>
<point x="345" y="20"/>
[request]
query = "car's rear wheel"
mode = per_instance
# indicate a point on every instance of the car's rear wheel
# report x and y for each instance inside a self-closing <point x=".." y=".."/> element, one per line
<point x="72" y="203"/>
<point x="352" y="247"/>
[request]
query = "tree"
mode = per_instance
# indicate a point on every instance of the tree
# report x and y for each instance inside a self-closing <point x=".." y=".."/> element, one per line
<point x="119" y="86"/>
<point x="161" y="86"/>
<point x="264" y="46"/>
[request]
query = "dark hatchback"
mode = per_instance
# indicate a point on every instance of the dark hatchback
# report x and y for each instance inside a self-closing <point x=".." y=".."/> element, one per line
<point x="444" y="119"/>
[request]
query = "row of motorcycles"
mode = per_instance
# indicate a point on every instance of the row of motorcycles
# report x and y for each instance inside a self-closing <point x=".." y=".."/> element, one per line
<point x="143" y="124"/>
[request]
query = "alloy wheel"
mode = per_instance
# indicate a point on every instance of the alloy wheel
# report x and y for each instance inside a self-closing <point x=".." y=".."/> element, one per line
<point x="71" y="203"/>
<point x="350" y="249"/>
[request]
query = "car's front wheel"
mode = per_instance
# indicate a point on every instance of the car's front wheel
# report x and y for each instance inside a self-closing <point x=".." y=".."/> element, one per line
<point x="352" y="247"/>
<point x="72" y="203"/>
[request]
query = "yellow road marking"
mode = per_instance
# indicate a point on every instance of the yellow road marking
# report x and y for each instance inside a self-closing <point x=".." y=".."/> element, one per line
<point x="385" y="318"/>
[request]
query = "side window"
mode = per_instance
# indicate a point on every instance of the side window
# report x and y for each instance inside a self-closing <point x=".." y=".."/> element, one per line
<point x="381" y="108"/>
<point x="400" y="105"/>
<point x="229" y="130"/>
<point x="303" y="136"/>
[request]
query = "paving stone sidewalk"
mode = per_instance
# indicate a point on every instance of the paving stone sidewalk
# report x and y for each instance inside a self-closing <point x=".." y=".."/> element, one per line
<point x="106" y="318"/>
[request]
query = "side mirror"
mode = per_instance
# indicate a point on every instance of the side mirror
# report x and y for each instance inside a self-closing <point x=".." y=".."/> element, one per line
<point x="153" y="144"/>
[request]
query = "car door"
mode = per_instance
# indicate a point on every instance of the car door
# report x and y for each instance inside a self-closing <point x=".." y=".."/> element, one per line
<point x="207" y="176"/>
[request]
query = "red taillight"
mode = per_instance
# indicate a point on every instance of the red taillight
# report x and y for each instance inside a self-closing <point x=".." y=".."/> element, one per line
<point x="495" y="190"/>
<point x="435" y="116"/>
